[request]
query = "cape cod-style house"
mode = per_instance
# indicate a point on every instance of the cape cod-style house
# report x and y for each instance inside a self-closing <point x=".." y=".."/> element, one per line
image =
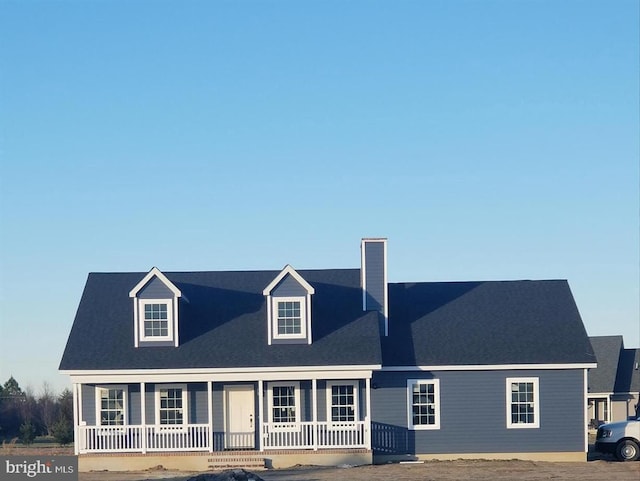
<point x="195" y="370"/>
<point x="614" y="386"/>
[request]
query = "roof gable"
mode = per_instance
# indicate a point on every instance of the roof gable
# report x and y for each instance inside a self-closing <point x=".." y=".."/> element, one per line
<point x="602" y="379"/>
<point x="155" y="272"/>
<point x="288" y="271"/>
<point x="628" y="375"/>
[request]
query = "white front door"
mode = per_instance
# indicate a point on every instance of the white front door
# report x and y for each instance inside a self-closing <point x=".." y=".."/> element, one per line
<point x="240" y="414"/>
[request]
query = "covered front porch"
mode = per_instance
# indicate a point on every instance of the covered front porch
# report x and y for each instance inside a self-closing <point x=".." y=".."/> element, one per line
<point x="598" y="410"/>
<point x="295" y="411"/>
<point x="197" y="437"/>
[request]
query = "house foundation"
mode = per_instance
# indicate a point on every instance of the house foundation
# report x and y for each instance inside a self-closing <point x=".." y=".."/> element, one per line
<point x="189" y="461"/>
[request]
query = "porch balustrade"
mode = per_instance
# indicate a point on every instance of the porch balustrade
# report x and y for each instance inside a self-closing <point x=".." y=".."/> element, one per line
<point x="309" y="435"/>
<point x="195" y="437"/>
<point x="120" y="439"/>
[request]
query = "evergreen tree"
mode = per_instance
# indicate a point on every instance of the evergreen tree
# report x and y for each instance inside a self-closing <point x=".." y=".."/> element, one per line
<point x="11" y="400"/>
<point x="62" y="431"/>
<point x="27" y="433"/>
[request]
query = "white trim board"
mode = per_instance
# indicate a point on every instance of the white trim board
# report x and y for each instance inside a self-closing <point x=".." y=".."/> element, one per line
<point x="160" y="376"/>
<point x="288" y="270"/>
<point x="487" y="367"/>
<point x="155" y="272"/>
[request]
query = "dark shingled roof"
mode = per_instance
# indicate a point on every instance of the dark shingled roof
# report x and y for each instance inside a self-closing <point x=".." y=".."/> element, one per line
<point x="628" y="378"/>
<point x="618" y="368"/>
<point x="496" y="322"/>
<point x="224" y="324"/>
<point x="603" y="378"/>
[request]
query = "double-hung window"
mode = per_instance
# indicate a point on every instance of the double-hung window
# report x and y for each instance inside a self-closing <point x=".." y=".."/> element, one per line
<point x="342" y="401"/>
<point x="289" y="318"/>
<point x="111" y="406"/>
<point x="423" y="403"/>
<point x="171" y="402"/>
<point x="284" y="404"/>
<point x="157" y="319"/>
<point x="523" y="403"/>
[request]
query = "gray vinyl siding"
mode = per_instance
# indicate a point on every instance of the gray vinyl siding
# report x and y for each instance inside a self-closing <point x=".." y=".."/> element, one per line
<point x="322" y="401"/>
<point x="473" y="414"/>
<point x="133" y="404"/>
<point x="150" y="403"/>
<point x="374" y="272"/>
<point x="155" y="289"/>
<point x="288" y="287"/>
<point x="198" y="405"/>
<point x="218" y="416"/>
<point x="156" y="344"/>
<point x="89" y="404"/>
<point x="306" y="402"/>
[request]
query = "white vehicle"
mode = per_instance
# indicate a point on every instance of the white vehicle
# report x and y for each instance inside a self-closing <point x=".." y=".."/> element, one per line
<point x="621" y="438"/>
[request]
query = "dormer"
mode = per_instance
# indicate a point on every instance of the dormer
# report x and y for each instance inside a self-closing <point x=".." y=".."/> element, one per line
<point x="288" y="299"/>
<point x="155" y="310"/>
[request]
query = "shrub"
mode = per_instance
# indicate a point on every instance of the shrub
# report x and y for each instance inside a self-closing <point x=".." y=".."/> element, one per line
<point x="62" y="431"/>
<point x="27" y="433"/>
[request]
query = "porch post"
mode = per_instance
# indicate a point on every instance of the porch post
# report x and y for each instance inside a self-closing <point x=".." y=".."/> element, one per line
<point x="210" y="413"/>
<point x="367" y="424"/>
<point x="76" y="420"/>
<point x="143" y="414"/>
<point x="260" y="413"/>
<point x="314" y="416"/>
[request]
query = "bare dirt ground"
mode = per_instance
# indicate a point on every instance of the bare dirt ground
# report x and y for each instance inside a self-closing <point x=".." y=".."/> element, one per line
<point x="599" y="468"/>
<point x="429" y="471"/>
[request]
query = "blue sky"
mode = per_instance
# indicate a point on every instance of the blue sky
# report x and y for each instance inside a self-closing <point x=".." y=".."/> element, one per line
<point x="485" y="139"/>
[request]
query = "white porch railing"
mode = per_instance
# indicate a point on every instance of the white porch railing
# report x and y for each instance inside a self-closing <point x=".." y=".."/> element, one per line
<point x="310" y="435"/>
<point x="195" y="437"/>
<point x="110" y="439"/>
<point x="240" y="440"/>
<point x="105" y="439"/>
<point x="192" y="437"/>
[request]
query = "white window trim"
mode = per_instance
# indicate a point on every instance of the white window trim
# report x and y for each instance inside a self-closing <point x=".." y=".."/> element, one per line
<point x="356" y="401"/>
<point x="170" y="319"/>
<point x="294" y="426"/>
<point x="436" y="393"/>
<point x="303" y="317"/>
<point x="125" y="406"/>
<point x="185" y="407"/>
<point x="536" y="402"/>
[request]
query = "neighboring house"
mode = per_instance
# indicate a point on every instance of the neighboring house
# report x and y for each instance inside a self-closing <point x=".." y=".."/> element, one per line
<point x="203" y="369"/>
<point x="614" y="386"/>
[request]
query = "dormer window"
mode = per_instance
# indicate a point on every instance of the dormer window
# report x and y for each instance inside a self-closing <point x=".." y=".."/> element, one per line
<point x="157" y="319"/>
<point x="155" y="310"/>
<point x="289" y="308"/>
<point x="290" y="319"/>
